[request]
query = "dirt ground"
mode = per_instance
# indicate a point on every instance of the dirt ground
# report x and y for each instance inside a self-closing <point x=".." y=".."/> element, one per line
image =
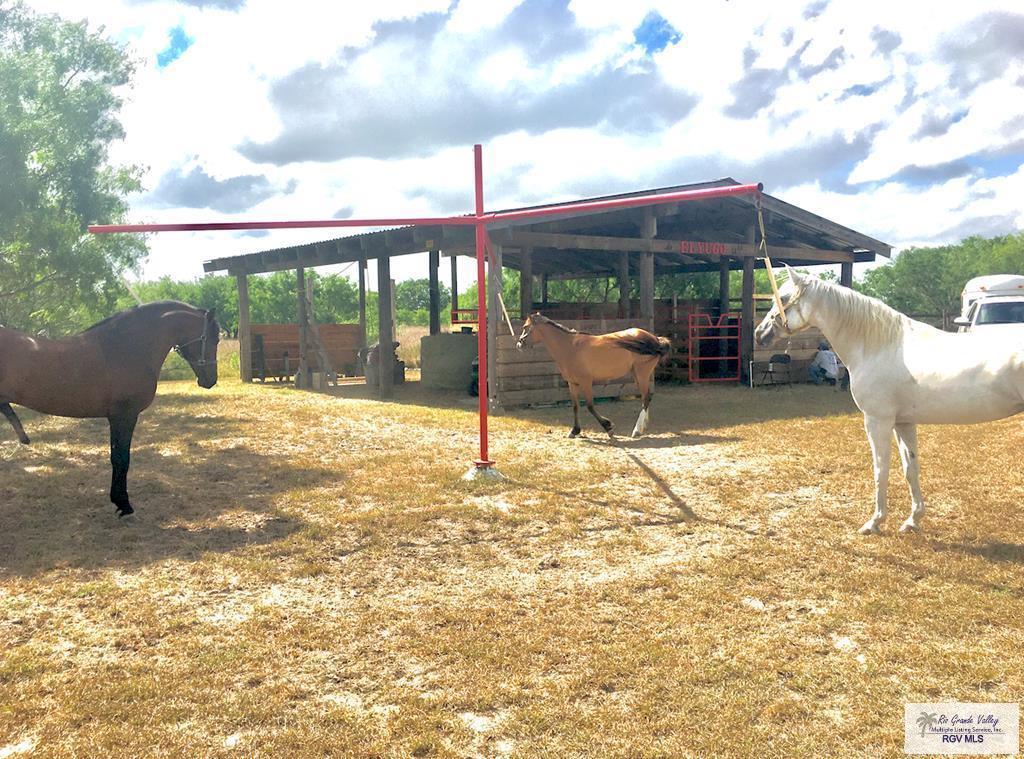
<point x="308" y="574"/>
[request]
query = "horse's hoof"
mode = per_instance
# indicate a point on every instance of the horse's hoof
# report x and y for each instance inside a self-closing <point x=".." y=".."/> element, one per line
<point x="574" y="433"/>
<point x="870" y="529"/>
<point x="24" y="440"/>
<point x="909" y="526"/>
<point x="125" y="510"/>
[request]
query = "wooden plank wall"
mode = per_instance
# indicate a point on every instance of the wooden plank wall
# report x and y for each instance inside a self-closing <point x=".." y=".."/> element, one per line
<point x="342" y="342"/>
<point x="529" y="377"/>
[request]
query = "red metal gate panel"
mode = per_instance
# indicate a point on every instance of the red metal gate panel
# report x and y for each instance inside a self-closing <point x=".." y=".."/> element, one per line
<point x="726" y="332"/>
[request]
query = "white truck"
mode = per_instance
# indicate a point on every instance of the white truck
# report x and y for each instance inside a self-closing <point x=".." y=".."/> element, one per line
<point x="992" y="303"/>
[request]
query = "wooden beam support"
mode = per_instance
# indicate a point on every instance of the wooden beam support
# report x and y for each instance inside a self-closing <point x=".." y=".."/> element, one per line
<point x="526" y="283"/>
<point x="362" y="302"/>
<point x="435" y="291"/>
<point x="846" y="274"/>
<point x="624" y="284"/>
<point x="303" y="374"/>
<point x="688" y="251"/>
<point x="723" y="285"/>
<point x="386" y="341"/>
<point x="747" y="311"/>
<point x="494" y="319"/>
<point x="244" y="329"/>
<point x="455" y="282"/>
<point x="648" y="231"/>
<point x="818" y="223"/>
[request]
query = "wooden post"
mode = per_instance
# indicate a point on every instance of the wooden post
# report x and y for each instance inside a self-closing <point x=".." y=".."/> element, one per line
<point x="435" y="292"/>
<point x="494" y="319"/>
<point x="385" y="351"/>
<point x="526" y="283"/>
<point x="723" y="285"/>
<point x="723" y="308"/>
<point x="747" y="313"/>
<point x="244" y="330"/>
<point x="362" y="302"/>
<point x="846" y="274"/>
<point x="543" y="290"/>
<point x="624" y="285"/>
<point x="394" y="308"/>
<point x="455" y="282"/>
<point x="648" y="230"/>
<point x="303" y="375"/>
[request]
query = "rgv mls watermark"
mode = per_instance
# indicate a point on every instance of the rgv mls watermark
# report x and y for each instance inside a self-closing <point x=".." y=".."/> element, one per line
<point x="954" y="728"/>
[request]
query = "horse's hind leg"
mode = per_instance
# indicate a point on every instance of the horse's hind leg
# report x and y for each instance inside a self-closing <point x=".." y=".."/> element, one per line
<point x="906" y="438"/>
<point x="644" y="379"/>
<point x="121" y="430"/>
<point x="880" y="437"/>
<point x="588" y="393"/>
<point x="15" y="422"/>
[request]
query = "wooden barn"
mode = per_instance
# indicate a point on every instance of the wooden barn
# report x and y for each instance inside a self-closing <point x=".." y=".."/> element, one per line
<point x="712" y="340"/>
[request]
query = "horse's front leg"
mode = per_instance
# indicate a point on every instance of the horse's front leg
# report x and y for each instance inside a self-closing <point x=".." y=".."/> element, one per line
<point x="880" y="437"/>
<point x="15" y="422"/>
<point x="906" y="438"/>
<point x="574" y="393"/>
<point x="122" y="427"/>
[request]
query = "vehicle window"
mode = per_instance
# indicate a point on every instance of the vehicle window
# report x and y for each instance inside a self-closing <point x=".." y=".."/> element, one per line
<point x="1001" y="313"/>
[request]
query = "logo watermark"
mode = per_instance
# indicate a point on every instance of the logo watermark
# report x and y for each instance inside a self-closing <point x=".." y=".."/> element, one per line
<point x="954" y="728"/>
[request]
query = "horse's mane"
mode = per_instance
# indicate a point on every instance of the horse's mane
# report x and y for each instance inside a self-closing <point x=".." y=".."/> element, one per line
<point x="159" y="306"/>
<point x="861" y="316"/>
<point x="546" y="320"/>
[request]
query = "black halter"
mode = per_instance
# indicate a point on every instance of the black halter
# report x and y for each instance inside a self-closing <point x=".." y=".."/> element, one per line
<point x="203" y="361"/>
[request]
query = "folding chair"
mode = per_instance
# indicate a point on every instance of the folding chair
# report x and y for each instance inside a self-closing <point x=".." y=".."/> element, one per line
<point x="778" y="366"/>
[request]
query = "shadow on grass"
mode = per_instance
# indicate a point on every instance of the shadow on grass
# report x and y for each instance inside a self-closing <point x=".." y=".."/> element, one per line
<point x="676" y="407"/>
<point x="992" y="551"/>
<point x="190" y="497"/>
<point x="670" y="440"/>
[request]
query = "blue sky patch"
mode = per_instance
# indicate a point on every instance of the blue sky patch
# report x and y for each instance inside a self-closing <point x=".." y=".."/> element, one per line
<point x="999" y="164"/>
<point x="863" y="89"/>
<point x="178" y="44"/>
<point x="655" y="33"/>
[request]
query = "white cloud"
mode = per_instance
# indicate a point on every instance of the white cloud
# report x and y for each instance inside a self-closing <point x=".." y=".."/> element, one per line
<point x="832" y="121"/>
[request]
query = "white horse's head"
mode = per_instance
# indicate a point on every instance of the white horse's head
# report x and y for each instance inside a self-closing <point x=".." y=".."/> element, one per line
<point x="773" y="326"/>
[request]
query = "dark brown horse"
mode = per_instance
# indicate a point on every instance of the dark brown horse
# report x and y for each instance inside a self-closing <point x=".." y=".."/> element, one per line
<point x="583" y="359"/>
<point x="110" y="370"/>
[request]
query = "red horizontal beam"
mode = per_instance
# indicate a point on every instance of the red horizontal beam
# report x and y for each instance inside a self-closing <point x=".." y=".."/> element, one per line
<point x="218" y="226"/>
<point x="487" y="218"/>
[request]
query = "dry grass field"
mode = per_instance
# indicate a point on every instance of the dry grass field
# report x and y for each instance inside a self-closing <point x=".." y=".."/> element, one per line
<point x="307" y="575"/>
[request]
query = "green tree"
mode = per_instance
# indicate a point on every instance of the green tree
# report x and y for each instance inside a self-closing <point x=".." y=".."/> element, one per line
<point x="58" y="117"/>
<point x="930" y="280"/>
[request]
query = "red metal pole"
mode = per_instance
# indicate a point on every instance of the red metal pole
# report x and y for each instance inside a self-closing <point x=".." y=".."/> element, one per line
<point x="481" y="292"/>
<point x="217" y="226"/>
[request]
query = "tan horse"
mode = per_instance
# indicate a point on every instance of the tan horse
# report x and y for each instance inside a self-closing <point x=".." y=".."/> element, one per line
<point x="110" y="371"/>
<point x="584" y="359"/>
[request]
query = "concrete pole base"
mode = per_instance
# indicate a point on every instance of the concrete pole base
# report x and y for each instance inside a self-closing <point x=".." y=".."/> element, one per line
<point x="483" y="473"/>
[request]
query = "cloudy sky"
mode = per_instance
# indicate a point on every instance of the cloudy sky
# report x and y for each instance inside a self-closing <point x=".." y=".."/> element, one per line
<point x="902" y="122"/>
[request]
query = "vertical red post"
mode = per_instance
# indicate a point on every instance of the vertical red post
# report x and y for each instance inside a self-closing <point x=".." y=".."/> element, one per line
<point x="481" y="290"/>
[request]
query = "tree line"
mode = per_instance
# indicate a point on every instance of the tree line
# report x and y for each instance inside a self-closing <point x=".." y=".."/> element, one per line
<point x="273" y="299"/>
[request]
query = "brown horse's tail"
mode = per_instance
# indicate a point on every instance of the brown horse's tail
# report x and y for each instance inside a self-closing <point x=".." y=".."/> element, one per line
<point x="646" y="344"/>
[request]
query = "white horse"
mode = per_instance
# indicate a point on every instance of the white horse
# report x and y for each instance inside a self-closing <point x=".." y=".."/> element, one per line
<point x="902" y="373"/>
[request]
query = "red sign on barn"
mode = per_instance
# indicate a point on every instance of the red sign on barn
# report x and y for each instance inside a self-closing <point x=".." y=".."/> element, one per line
<point x="707" y="248"/>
